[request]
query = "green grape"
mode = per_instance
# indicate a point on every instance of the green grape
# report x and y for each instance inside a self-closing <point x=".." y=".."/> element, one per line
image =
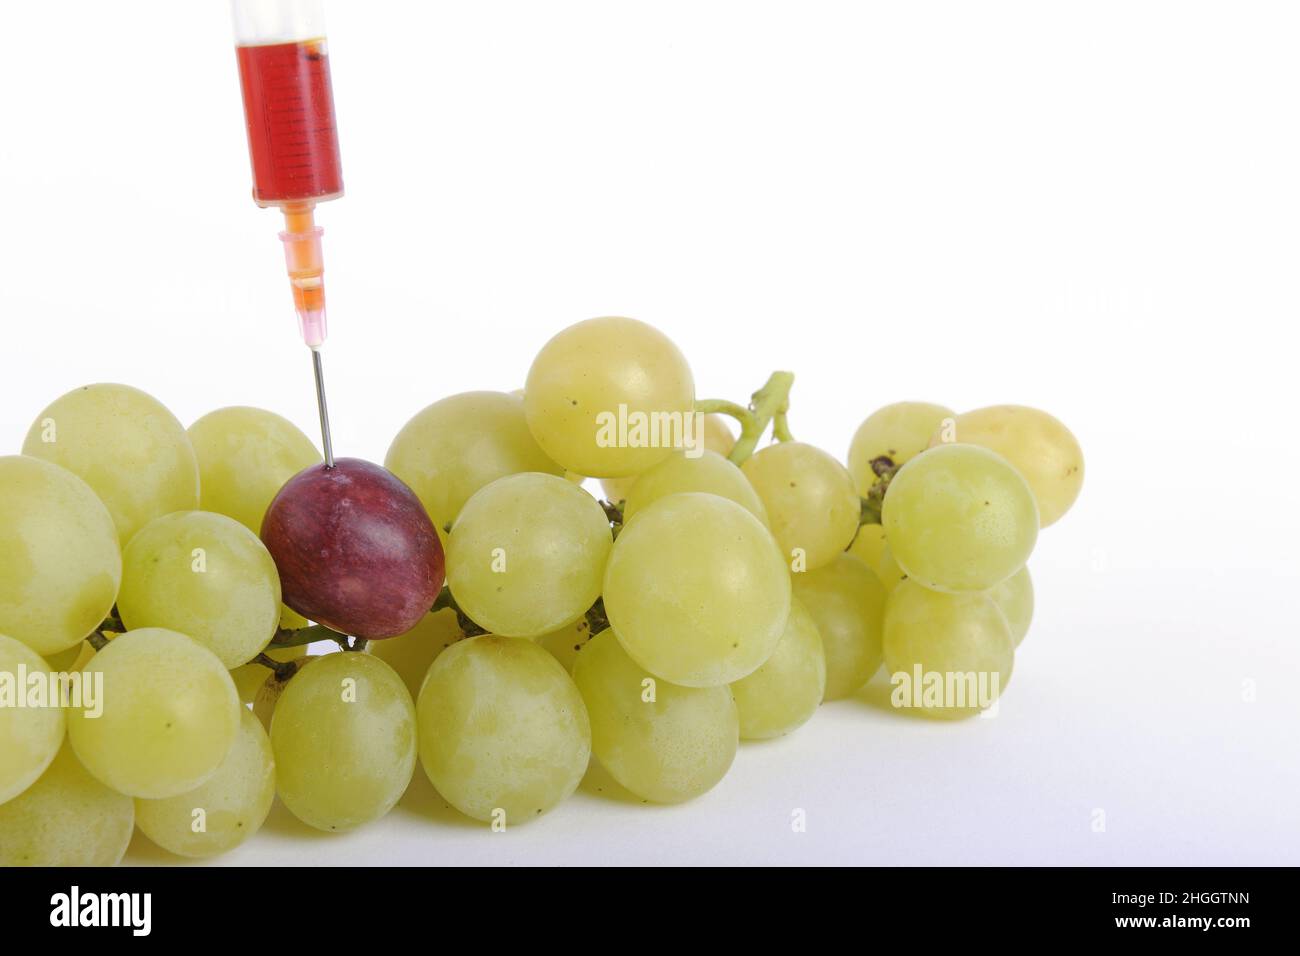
<point x="170" y="715"/>
<point x="696" y="590"/>
<point x="226" y="810"/>
<point x="527" y="553"/>
<point x="811" y="505"/>
<point x="871" y="547"/>
<point x="959" y="645"/>
<point x="206" y="576"/>
<point x="30" y="734"/>
<point x="60" y="565"/>
<point x="786" y="691"/>
<point x="127" y="446"/>
<point x="566" y="643"/>
<point x="890" y="573"/>
<point x="710" y="473"/>
<point x="848" y="604"/>
<point x="617" y="489"/>
<point x="898" y="432"/>
<point x="598" y="374"/>
<point x="245" y="456"/>
<point x="410" y="654"/>
<point x="291" y="620"/>
<point x="64" y="661"/>
<point x="66" y="818"/>
<point x="718" y="438"/>
<point x="460" y="444"/>
<point x="959" y="518"/>
<point x="249" y="678"/>
<point x="504" y="735"/>
<point x="344" y="741"/>
<point x="1037" y="445"/>
<point x="662" y="742"/>
<point x="1015" y="599"/>
<point x="86" y="656"/>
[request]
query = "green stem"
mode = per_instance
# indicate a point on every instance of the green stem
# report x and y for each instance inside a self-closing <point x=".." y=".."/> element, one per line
<point x="306" y="635"/>
<point x="780" y="428"/>
<point x="720" y="406"/>
<point x="769" y="401"/>
<point x="98" y="641"/>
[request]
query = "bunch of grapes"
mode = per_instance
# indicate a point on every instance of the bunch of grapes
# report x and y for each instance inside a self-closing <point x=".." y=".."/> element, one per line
<point x="494" y="620"/>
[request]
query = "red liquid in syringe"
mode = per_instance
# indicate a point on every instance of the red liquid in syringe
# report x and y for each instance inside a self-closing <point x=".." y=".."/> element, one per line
<point x="289" y="108"/>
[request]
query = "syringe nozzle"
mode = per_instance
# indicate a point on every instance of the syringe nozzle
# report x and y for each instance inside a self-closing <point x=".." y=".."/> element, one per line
<point x="306" y="264"/>
<point x="311" y="323"/>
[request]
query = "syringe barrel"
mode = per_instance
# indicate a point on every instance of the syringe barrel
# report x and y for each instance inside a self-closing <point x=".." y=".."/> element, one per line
<point x="284" y="71"/>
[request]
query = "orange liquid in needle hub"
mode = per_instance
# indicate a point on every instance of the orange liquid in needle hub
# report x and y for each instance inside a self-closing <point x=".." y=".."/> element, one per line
<point x="306" y="266"/>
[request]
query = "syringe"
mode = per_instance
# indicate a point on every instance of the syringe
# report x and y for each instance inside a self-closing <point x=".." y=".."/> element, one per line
<point x="294" y="148"/>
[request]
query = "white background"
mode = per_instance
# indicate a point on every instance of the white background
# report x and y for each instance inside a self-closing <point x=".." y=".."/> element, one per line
<point x="1088" y="207"/>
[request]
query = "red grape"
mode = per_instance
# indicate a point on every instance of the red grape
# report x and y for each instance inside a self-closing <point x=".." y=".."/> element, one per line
<point x="355" y="549"/>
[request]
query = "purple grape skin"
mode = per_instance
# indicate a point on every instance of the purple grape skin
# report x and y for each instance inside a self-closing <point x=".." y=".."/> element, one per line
<point x="355" y="549"/>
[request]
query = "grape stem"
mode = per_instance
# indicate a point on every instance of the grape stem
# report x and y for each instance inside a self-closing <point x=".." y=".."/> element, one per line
<point x="873" y="503"/>
<point x="769" y="406"/>
<point x="780" y="428"/>
<point x="113" y="625"/>
<point x="613" y="511"/>
<point x="467" y="626"/>
<point x="297" y="637"/>
<point x="597" y="619"/>
<point x="614" y="514"/>
<point x="282" y="670"/>
<point x="720" y="406"/>
<point x="113" y="622"/>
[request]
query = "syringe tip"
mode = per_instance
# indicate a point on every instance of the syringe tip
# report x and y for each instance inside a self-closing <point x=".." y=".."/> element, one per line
<point x="311" y="323"/>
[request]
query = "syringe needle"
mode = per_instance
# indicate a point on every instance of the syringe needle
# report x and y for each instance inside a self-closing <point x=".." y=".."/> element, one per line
<point x="326" y="441"/>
